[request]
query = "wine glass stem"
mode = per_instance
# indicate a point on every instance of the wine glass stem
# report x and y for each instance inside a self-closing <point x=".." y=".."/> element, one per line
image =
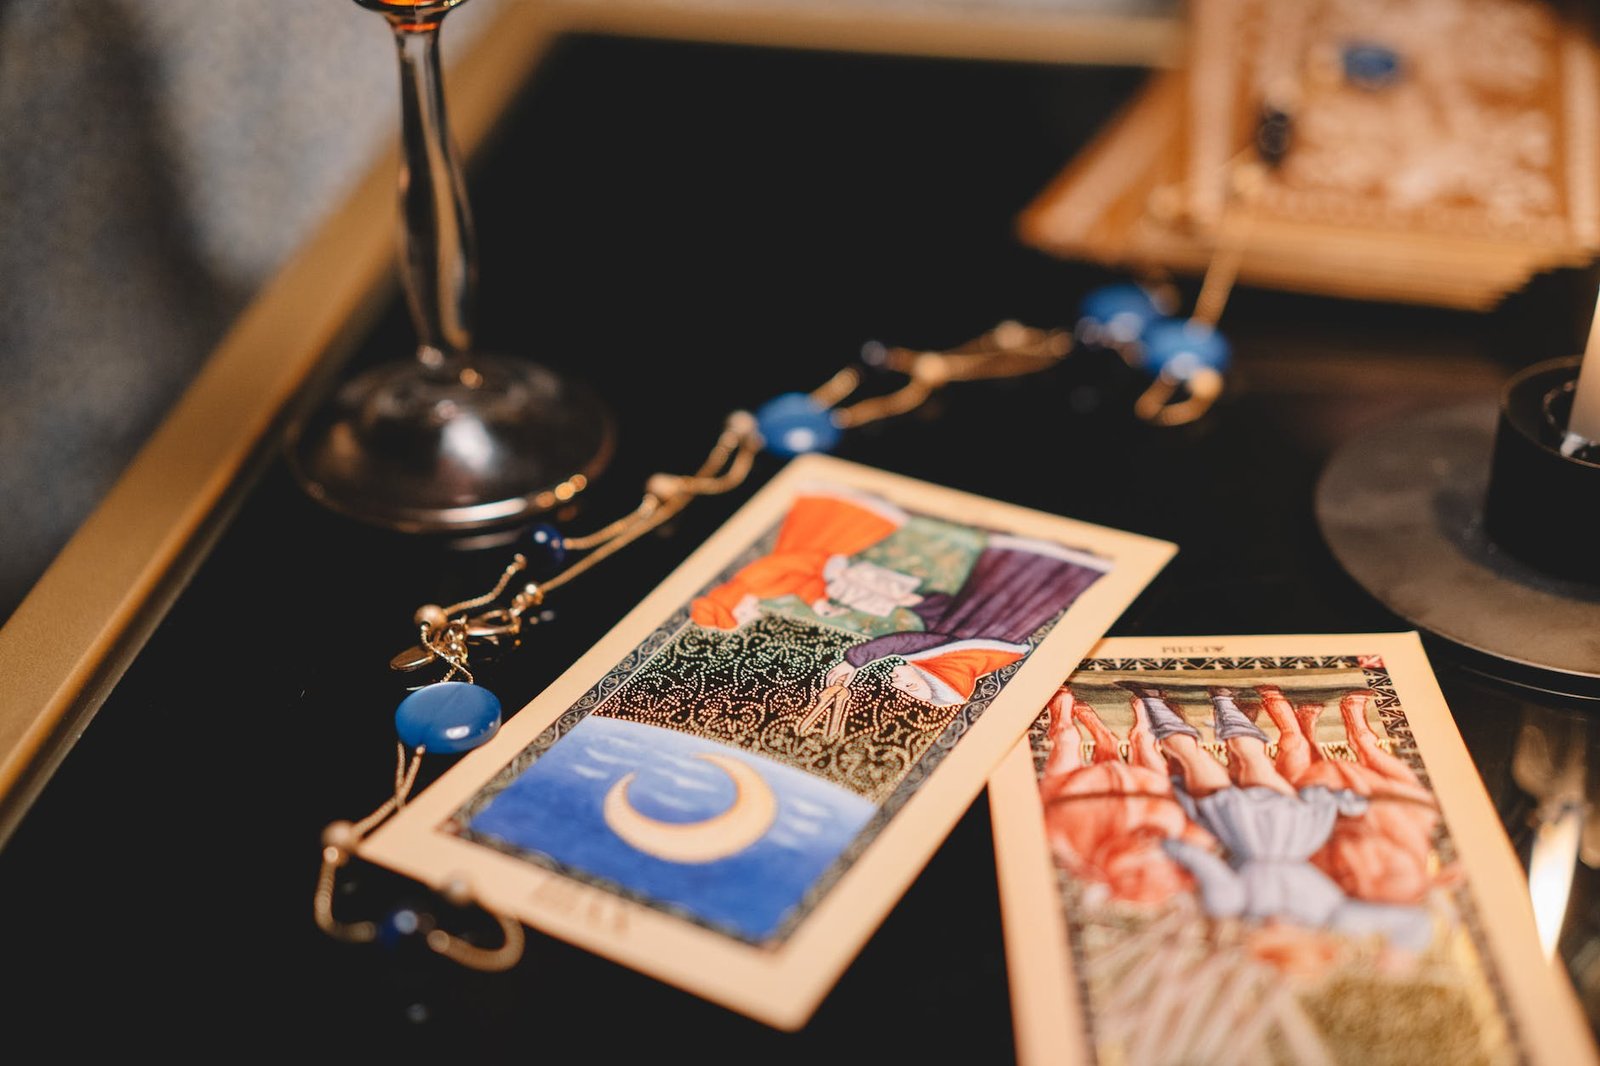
<point x="438" y="256"/>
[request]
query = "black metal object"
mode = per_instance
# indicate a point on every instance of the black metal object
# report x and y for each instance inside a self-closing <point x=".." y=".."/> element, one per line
<point x="1402" y="508"/>
<point x="1544" y="506"/>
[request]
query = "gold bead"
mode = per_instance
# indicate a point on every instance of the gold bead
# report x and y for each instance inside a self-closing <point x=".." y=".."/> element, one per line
<point x="457" y="892"/>
<point x="432" y="616"/>
<point x="530" y="596"/>
<point x="338" y="840"/>
<point x="742" y="424"/>
<point x="930" y="370"/>
<point x="664" y="486"/>
<point x="341" y="835"/>
<point x="1010" y="334"/>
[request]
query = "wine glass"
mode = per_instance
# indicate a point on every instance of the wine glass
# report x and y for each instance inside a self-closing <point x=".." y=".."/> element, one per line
<point x="454" y="439"/>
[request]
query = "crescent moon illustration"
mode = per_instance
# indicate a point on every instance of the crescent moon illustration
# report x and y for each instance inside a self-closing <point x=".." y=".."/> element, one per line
<point x="746" y="820"/>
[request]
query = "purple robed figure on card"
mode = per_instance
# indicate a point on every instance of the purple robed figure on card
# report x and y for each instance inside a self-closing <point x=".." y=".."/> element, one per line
<point x="1016" y="586"/>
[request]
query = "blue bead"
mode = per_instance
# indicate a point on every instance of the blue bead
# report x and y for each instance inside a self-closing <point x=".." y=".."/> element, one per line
<point x="794" y="423"/>
<point x="875" y="354"/>
<point x="447" y="718"/>
<point x="401" y="924"/>
<point x="1181" y="346"/>
<point x="547" y="548"/>
<point x="1116" y="314"/>
<point x="1370" y="66"/>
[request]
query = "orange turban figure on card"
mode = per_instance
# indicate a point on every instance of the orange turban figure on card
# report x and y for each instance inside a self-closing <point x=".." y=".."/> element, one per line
<point x="819" y="527"/>
<point x="947" y="675"/>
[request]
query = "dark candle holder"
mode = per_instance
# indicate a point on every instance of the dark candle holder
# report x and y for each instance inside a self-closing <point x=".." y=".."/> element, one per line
<point x="1543" y="506"/>
<point x="1470" y="523"/>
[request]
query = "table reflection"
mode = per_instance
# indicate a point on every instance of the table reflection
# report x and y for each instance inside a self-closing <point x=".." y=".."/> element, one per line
<point x="1537" y="754"/>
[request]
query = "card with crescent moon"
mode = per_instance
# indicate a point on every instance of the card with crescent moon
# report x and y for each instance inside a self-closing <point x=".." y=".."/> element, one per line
<point x="733" y="787"/>
<point x="1277" y="850"/>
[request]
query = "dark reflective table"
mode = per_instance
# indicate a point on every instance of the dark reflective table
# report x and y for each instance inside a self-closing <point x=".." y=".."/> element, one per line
<point x="693" y="229"/>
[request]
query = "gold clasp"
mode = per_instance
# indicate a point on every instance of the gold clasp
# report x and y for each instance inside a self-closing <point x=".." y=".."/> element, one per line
<point x="1157" y="406"/>
<point x="448" y="632"/>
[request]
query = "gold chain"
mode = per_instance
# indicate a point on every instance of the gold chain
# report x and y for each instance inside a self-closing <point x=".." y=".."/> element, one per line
<point x="1234" y="230"/>
<point x="339" y="842"/>
<point x="1009" y="350"/>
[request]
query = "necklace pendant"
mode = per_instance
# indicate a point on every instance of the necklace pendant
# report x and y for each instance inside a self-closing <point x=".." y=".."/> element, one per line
<point x="413" y="658"/>
<point x="447" y="718"/>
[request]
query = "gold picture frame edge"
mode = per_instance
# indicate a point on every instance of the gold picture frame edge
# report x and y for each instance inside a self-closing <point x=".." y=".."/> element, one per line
<point x="1088" y="39"/>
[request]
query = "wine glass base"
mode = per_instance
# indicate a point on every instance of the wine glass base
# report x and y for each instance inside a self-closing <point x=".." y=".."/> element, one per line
<point x="421" y="451"/>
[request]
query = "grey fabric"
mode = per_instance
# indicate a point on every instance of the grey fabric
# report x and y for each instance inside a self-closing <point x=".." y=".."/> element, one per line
<point x="1269" y="838"/>
<point x="158" y="160"/>
<point x="1228" y="721"/>
<point x="1258" y="824"/>
<point x="1164" y="721"/>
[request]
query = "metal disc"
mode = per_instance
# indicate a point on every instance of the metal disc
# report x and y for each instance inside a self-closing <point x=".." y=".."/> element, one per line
<point x="421" y="452"/>
<point x="1402" y="508"/>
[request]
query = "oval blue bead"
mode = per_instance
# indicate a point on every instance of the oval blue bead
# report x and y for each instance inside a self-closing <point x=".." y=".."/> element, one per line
<point x="1116" y="314"/>
<point x="1368" y="65"/>
<point x="1180" y="346"/>
<point x="794" y="423"/>
<point x="547" y="547"/>
<point x="446" y="718"/>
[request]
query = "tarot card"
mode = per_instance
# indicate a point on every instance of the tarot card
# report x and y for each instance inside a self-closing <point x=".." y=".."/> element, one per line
<point x="733" y="787"/>
<point x="1456" y="136"/>
<point x="1265" y="849"/>
<point x="1383" y="191"/>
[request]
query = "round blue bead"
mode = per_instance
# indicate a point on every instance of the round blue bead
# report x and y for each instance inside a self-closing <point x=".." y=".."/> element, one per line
<point x="401" y="924"/>
<point x="447" y="718"/>
<point x="1370" y="66"/>
<point x="1181" y="346"/>
<point x="1116" y="314"/>
<point x="875" y="354"/>
<point x="547" y="548"/>
<point x="794" y="423"/>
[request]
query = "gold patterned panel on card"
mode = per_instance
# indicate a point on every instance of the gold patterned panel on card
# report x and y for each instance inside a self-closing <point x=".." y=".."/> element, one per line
<point x="750" y="687"/>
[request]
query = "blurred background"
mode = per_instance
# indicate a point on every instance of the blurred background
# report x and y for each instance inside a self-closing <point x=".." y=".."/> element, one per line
<point x="159" y="159"/>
